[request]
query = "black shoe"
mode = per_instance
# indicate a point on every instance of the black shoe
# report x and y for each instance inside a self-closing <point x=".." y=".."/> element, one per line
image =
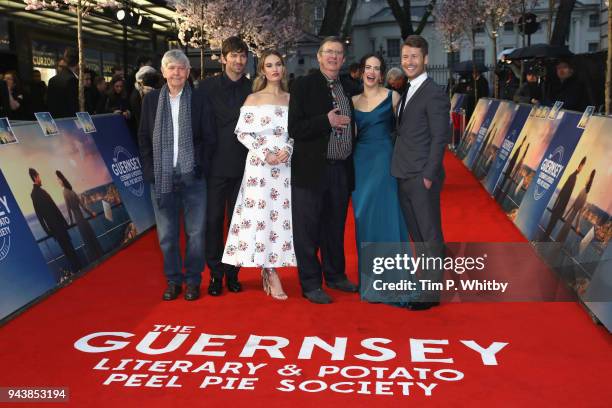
<point x="317" y="296"/>
<point x="418" y="306"/>
<point x="215" y="287"/>
<point x="234" y="286"/>
<point x="344" y="285"/>
<point x="172" y="291"/>
<point x="192" y="292"/>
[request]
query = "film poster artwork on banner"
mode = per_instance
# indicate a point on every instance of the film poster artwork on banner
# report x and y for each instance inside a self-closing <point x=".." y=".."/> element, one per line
<point x="471" y="131"/>
<point x="577" y="217"/>
<point x="525" y="158"/>
<point x="66" y="194"/>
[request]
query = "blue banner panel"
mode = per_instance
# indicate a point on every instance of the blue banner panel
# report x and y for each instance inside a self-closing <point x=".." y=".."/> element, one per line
<point x="66" y="195"/>
<point x="471" y="130"/>
<point x="548" y="174"/>
<point x="483" y="131"/>
<point x="23" y="272"/>
<point x="525" y="158"/>
<point x="502" y="145"/>
<point x="122" y="158"/>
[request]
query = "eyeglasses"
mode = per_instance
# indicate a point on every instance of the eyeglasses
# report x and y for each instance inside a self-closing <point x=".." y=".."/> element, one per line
<point x="332" y="52"/>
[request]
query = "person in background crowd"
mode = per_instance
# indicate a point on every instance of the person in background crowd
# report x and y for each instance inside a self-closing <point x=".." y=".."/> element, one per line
<point x="569" y="89"/>
<point x="508" y="86"/>
<point x="481" y="84"/>
<point x="117" y="71"/>
<point x="99" y="91"/>
<point x="396" y="80"/>
<point x="227" y="93"/>
<point x="530" y="91"/>
<point x="116" y="101"/>
<point x="5" y="105"/>
<point x="353" y="80"/>
<point x="176" y="138"/>
<point x="63" y="89"/>
<point x="130" y="80"/>
<point x="37" y="93"/>
<point x="61" y="65"/>
<point x="90" y="91"/>
<point x="17" y="100"/>
<point x="139" y="90"/>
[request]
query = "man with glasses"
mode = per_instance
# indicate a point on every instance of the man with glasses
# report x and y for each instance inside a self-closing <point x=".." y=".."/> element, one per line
<point x="322" y="174"/>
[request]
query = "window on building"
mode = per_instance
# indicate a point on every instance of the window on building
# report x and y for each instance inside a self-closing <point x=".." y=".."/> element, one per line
<point x="593" y="20"/>
<point x="393" y="48"/>
<point x="319" y="12"/>
<point x="479" y="55"/>
<point x="479" y="28"/>
<point x="372" y="45"/>
<point x="452" y="58"/>
<point x="509" y="27"/>
<point x="593" y="46"/>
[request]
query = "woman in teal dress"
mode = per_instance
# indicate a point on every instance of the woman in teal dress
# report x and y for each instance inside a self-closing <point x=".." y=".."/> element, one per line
<point x="378" y="215"/>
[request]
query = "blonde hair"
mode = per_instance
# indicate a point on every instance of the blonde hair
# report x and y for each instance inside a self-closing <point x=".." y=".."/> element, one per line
<point x="260" y="81"/>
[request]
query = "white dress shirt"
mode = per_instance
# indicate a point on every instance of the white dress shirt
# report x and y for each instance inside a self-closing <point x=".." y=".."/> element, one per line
<point x="415" y="84"/>
<point x="175" y="103"/>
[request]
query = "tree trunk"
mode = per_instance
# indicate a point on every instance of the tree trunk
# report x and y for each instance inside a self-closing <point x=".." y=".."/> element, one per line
<point x="348" y="23"/>
<point x="403" y="16"/>
<point x="609" y="64"/>
<point x="334" y="16"/>
<point x="495" y="77"/>
<point x="549" y="23"/>
<point x="562" y="22"/>
<point x="81" y="59"/>
<point x="201" y="62"/>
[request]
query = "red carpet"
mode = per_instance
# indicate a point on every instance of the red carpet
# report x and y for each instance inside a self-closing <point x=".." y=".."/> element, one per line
<point x="555" y="355"/>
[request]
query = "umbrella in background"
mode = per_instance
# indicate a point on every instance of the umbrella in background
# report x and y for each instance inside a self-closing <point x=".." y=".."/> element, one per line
<point x="466" y="67"/>
<point x="540" y="51"/>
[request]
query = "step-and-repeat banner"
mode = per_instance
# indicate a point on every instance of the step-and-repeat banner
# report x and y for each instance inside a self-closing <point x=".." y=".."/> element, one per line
<point x="549" y="169"/>
<point x="73" y="193"/>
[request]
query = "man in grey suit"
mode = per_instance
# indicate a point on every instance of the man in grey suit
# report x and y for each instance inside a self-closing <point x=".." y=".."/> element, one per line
<point x="423" y="126"/>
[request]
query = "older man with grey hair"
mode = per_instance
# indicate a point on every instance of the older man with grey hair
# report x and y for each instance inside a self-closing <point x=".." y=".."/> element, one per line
<point x="396" y="80"/>
<point x="177" y="139"/>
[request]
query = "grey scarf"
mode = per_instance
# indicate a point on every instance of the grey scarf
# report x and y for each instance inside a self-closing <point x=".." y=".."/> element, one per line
<point x="163" y="141"/>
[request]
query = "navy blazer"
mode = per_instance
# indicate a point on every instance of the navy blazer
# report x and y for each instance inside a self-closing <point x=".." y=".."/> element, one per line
<point x="202" y="126"/>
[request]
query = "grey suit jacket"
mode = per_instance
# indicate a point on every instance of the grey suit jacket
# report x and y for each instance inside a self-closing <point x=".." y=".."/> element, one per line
<point x="423" y="133"/>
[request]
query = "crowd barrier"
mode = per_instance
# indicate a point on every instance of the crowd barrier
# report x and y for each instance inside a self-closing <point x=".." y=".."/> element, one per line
<point x="549" y="170"/>
<point x="92" y="200"/>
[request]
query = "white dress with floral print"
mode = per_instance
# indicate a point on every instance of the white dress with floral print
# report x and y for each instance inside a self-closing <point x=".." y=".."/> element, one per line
<point x="260" y="232"/>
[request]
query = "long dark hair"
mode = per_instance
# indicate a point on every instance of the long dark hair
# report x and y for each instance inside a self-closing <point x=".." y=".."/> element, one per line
<point x="383" y="66"/>
<point x="65" y="181"/>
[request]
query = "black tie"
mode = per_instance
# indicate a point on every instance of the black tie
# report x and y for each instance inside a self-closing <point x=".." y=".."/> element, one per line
<point x="403" y="102"/>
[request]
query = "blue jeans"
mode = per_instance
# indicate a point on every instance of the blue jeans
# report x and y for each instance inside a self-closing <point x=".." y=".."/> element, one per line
<point x="189" y="194"/>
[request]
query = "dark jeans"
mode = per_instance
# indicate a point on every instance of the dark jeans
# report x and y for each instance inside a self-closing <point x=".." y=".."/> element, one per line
<point x="319" y="216"/>
<point x="189" y="195"/>
<point x="222" y="196"/>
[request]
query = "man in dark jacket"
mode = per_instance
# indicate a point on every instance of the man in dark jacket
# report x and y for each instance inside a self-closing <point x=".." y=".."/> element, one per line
<point x="176" y="139"/>
<point x="63" y="89"/>
<point x="322" y="173"/>
<point x="227" y="92"/>
<point x="569" y="90"/>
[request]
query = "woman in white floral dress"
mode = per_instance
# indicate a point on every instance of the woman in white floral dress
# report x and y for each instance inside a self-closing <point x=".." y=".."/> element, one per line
<point x="260" y="233"/>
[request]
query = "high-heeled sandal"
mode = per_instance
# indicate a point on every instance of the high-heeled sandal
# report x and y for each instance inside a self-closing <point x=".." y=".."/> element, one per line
<point x="267" y="274"/>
